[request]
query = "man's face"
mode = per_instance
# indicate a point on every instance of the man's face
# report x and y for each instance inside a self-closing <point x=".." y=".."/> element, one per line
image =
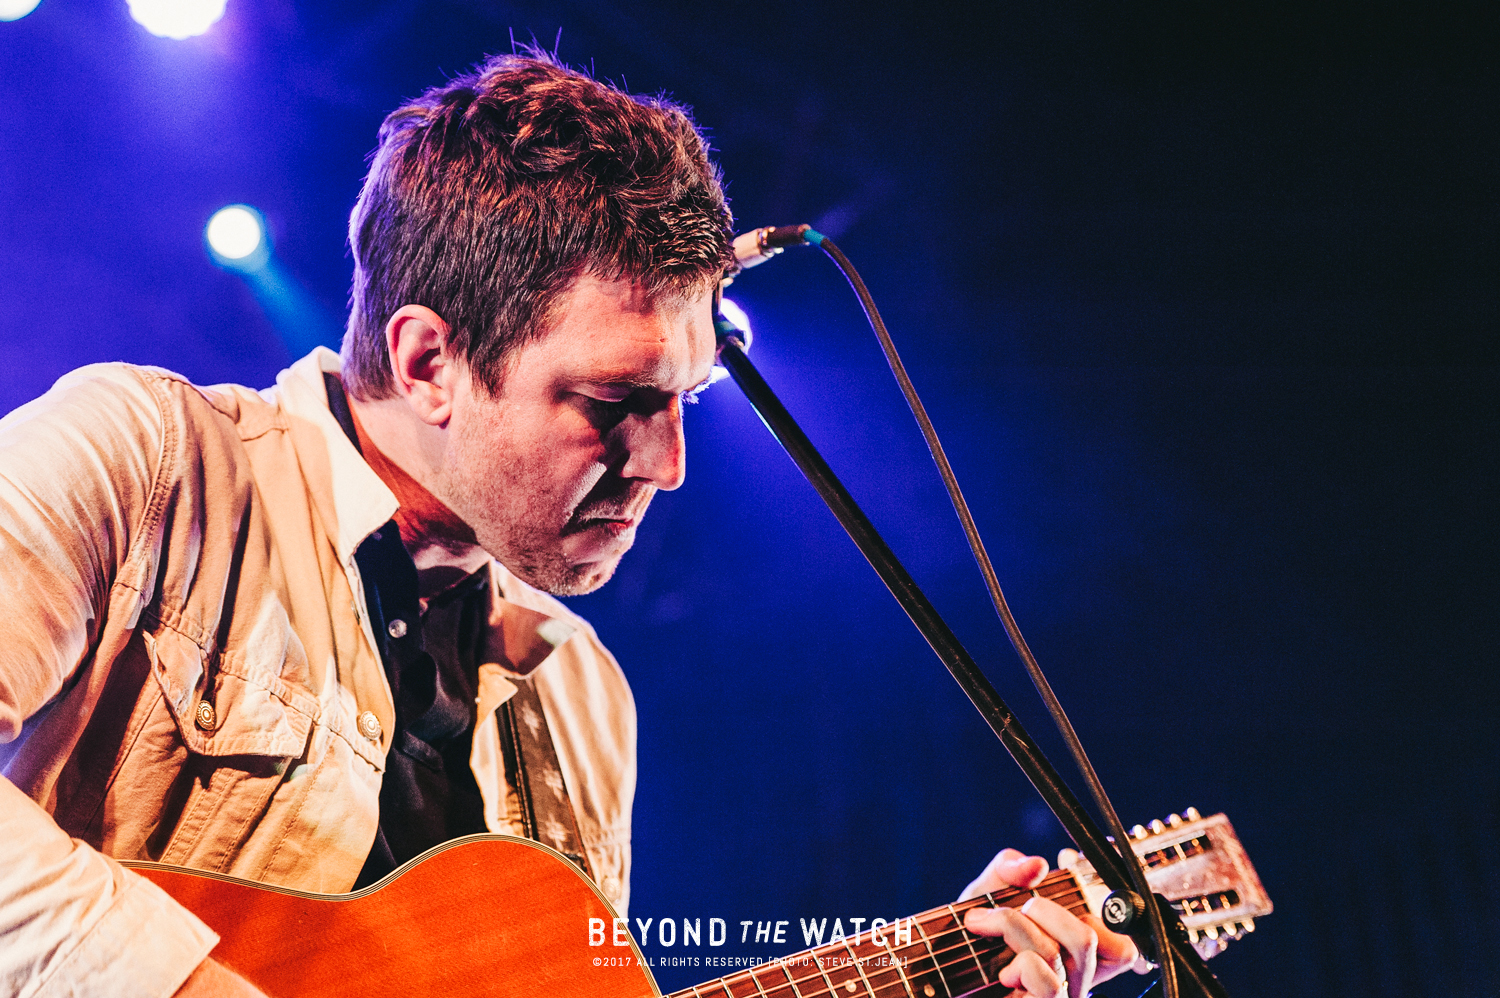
<point x="555" y="472"/>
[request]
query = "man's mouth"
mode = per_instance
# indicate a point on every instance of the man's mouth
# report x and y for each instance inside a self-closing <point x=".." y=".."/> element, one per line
<point x="615" y="523"/>
<point x="617" y="514"/>
<point x="607" y="523"/>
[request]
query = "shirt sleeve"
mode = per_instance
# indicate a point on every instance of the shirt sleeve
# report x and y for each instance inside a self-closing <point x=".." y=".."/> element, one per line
<point x="77" y="469"/>
<point x="76" y="474"/>
<point x="77" y="923"/>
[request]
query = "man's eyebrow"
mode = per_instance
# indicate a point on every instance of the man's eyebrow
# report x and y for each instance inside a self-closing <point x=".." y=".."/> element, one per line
<point x="635" y="382"/>
<point x="630" y="381"/>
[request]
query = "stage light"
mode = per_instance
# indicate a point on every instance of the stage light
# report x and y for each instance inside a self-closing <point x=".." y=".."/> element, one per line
<point x="236" y="237"/>
<point x="14" y="10"/>
<point x="736" y="315"/>
<point x="175" y="18"/>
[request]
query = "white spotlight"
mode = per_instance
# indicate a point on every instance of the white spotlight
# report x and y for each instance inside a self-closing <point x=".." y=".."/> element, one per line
<point x="14" y="10"/>
<point x="736" y="315"/>
<point x="237" y="237"/>
<point x="175" y="18"/>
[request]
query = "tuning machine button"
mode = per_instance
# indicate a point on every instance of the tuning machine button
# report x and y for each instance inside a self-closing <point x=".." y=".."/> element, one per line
<point x="1137" y="831"/>
<point x="1157" y="827"/>
<point x="1192" y="814"/>
<point x="1175" y="820"/>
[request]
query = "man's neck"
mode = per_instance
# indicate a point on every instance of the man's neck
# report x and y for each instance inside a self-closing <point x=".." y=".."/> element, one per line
<point x="443" y="546"/>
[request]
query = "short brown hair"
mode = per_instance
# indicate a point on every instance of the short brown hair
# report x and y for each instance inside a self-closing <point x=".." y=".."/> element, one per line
<point x="489" y="196"/>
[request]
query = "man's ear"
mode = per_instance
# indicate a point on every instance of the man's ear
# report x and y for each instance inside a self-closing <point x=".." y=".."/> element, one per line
<point x="425" y="372"/>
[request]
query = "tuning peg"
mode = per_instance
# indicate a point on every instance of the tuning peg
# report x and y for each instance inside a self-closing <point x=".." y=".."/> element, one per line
<point x="1174" y="820"/>
<point x="1157" y="827"/>
<point x="1211" y="931"/>
<point x="1248" y="925"/>
<point x="1137" y="832"/>
<point x="1192" y="814"/>
<point x="1192" y="935"/>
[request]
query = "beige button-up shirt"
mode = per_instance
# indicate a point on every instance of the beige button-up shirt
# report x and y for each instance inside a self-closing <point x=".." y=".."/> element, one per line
<point x="166" y="547"/>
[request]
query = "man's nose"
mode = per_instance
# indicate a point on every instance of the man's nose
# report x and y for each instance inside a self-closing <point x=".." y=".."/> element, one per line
<point x="655" y="450"/>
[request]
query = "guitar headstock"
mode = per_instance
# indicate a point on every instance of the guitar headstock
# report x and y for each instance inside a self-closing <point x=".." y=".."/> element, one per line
<point x="1199" y="865"/>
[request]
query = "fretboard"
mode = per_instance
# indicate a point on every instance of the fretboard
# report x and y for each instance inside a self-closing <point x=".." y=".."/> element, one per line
<point x="932" y="957"/>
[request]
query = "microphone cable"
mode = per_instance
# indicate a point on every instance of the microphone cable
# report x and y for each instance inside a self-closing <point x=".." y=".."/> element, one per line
<point x="759" y="245"/>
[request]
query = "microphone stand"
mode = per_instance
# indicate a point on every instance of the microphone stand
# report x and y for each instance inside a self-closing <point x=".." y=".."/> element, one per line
<point x="1192" y="969"/>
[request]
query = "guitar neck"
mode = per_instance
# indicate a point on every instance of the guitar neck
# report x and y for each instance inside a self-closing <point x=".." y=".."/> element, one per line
<point x="931" y="955"/>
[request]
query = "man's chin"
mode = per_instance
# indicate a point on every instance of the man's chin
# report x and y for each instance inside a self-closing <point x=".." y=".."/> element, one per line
<point x="569" y="580"/>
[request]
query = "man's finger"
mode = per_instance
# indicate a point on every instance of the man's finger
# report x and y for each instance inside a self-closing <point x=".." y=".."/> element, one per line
<point x="1117" y="952"/>
<point x="1080" y="942"/>
<point x="1019" y="932"/>
<point x="1034" y="975"/>
<point x="1010" y="868"/>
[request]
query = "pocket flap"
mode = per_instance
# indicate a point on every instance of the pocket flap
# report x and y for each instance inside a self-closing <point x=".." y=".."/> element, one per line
<point x="241" y="715"/>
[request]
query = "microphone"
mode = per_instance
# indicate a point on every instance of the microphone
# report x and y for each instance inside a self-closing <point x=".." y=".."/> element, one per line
<point x="753" y="248"/>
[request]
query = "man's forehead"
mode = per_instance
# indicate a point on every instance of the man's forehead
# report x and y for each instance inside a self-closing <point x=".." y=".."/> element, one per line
<point x="630" y="294"/>
<point x="613" y="332"/>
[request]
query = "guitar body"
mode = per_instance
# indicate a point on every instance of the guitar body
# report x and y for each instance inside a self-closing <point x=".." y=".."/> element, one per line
<point x="493" y="915"/>
<point x="482" y="915"/>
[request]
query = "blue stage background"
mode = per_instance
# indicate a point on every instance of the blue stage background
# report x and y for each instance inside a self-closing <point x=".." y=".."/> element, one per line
<point x="1202" y="300"/>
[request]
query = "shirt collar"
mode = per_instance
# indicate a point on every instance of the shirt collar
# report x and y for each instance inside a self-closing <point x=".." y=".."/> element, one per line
<point x="359" y="502"/>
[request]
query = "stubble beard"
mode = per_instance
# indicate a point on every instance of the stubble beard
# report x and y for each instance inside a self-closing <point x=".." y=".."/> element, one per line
<point x="519" y="518"/>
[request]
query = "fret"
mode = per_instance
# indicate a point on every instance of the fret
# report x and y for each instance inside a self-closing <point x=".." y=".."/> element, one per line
<point x="892" y="963"/>
<point x="896" y="963"/>
<point x="858" y="969"/>
<point x="842" y="974"/>
<point x="816" y="956"/>
<point x="959" y="922"/>
<point x="787" y="973"/>
<point x="932" y="955"/>
<point x="756" y="981"/>
<point x="742" y="985"/>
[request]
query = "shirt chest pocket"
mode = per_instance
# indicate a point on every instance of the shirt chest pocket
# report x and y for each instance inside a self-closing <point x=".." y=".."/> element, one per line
<point x="242" y="723"/>
<point x="253" y="701"/>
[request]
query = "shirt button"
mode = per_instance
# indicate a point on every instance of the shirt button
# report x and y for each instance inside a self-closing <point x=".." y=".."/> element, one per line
<point x="611" y="888"/>
<point x="397" y="628"/>
<point x="205" y="717"/>
<point x="369" y="725"/>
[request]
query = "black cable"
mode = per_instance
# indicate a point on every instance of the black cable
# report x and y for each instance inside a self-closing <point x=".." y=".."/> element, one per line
<point x="976" y="544"/>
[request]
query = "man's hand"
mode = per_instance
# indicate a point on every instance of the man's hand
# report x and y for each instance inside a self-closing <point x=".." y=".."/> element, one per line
<point x="214" y="980"/>
<point x="1057" y="952"/>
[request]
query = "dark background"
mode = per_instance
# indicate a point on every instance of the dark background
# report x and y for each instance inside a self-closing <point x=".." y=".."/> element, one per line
<point x="1201" y="297"/>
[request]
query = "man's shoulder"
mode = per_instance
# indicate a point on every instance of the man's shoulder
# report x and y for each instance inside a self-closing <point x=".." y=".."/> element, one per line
<point x="155" y="390"/>
<point x="111" y="405"/>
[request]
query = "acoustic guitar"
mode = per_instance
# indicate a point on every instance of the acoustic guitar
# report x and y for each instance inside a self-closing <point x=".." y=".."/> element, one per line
<point x="493" y="915"/>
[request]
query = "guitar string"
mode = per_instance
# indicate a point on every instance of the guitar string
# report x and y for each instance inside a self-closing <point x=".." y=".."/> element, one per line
<point x="966" y="968"/>
<point x="926" y="952"/>
<point x="954" y="981"/>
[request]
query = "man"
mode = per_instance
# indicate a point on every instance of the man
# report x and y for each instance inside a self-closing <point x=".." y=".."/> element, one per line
<point x="303" y="635"/>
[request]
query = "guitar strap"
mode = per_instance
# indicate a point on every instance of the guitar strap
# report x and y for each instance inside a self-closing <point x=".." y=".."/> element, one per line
<point x="532" y="771"/>
<point x="535" y="787"/>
